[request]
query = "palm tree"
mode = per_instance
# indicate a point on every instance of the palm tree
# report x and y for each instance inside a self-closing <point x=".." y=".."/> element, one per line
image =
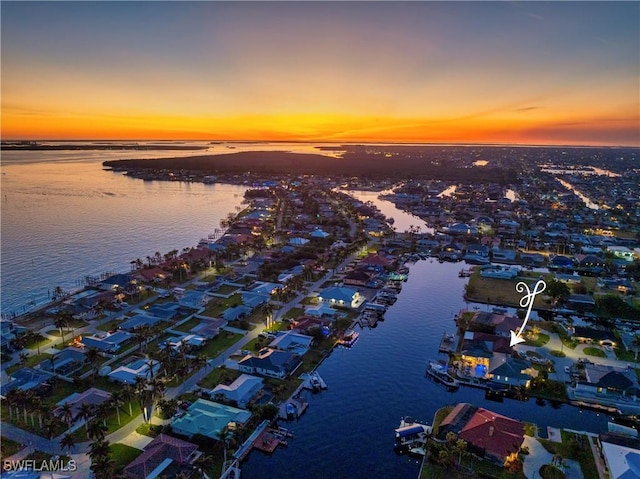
<point x="127" y="395"/>
<point x="267" y="309"/>
<point x="198" y="361"/>
<point x="65" y="413"/>
<point x="67" y="442"/>
<point x="116" y="402"/>
<point x="224" y="436"/>
<point x="85" y="412"/>
<point x="92" y="356"/>
<point x="96" y="429"/>
<point x="61" y="320"/>
<point x="635" y="342"/>
<point x="205" y="463"/>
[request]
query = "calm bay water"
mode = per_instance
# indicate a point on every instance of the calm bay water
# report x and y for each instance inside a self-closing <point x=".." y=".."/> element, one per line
<point x="64" y="217"/>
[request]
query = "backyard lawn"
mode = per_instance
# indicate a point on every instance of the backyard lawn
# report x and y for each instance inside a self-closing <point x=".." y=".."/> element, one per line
<point x="220" y="343"/>
<point x="217" y="376"/>
<point x="123" y="455"/>
<point x="597" y="352"/>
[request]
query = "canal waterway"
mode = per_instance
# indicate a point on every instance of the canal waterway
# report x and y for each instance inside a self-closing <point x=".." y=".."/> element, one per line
<point x="348" y="430"/>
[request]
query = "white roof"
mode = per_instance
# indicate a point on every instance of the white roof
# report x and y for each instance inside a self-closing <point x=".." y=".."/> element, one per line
<point x="624" y="462"/>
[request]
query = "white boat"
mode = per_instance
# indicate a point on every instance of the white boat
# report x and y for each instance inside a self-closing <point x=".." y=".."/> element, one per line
<point x="411" y="436"/>
<point x="439" y="372"/>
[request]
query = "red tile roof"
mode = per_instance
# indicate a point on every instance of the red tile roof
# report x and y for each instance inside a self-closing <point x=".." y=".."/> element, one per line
<point x="161" y="448"/>
<point x="498" y="435"/>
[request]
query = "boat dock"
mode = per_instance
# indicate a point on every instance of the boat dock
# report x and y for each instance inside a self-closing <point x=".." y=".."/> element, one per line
<point x="292" y="409"/>
<point x="313" y="382"/>
<point x="271" y="438"/>
<point x="447" y="343"/>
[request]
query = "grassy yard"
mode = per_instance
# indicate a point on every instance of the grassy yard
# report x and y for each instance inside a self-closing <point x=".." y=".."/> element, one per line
<point x="537" y="340"/>
<point x="151" y="430"/>
<point x="9" y="448"/>
<point x="123" y="455"/>
<point x="293" y="313"/>
<point x="29" y="362"/>
<point x="34" y="345"/>
<point x="597" y="352"/>
<point x="576" y="447"/>
<point x="217" y="376"/>
<point x="226" y="289"/>
<point x="215" y="308"/>
<point x="498" y="291"/>
<point x="109" y="325"/>
<point x="439" y="417"/>
<point x="80" y="434"/>
<point x="220" y="343"/>
<point x="188" y="326"/>
<point x="278" y="326"/>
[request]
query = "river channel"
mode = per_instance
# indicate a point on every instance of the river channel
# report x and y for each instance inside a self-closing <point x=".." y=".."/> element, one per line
<point x="347" y="431"/>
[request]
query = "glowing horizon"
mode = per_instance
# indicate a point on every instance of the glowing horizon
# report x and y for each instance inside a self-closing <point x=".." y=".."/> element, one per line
<point x="416" y="72"/>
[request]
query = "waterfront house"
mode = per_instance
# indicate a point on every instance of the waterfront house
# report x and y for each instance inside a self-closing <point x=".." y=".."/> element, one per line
<point x="498" y="272"/>
<point x="580" y="302"/>
<point x="607" y="383"/>
<point x="208" y="418"/>
<point x="239" y="392"/>
<point x="377" y="261"/>
<point x="621" y="455"/>
<point x="604" y="337"/>
<point x="621" y="252"/>
<point x="488" y="434"/>
<point x="139" y="368"/>
<point x="271" y="362"/>
<point x="291" y="341"/>
<point x="341" y="296"/>
<point x="510" y="372"/>
<point x="165" y="453"/>
<point x="357" y="278"/>
<point x="498" y="324"/>
<point x="116" y="281"/>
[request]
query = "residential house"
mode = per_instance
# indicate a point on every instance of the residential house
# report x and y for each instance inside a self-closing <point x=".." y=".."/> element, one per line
<point x="621" y="455"/>
<point x="605" y="382"/>
<point x="240" y="391"/>
<point x="162" y="454"/>
<point x="28" y="379"/>
<point x="108" y="343"/>
<point x="139" y="368"/>
<point x="208" y="418"/>
<point x="357" y="278"/>
<point x="341" y="296"/>
<point x="290" y="341"/>
<point x="271" y="362"/>
<point x="488" y="434"/>
<point x="66" y="362"/>
<point x="92" y="396"/>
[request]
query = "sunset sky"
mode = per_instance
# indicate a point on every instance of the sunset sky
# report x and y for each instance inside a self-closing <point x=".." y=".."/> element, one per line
<point x="486" y="72"/>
